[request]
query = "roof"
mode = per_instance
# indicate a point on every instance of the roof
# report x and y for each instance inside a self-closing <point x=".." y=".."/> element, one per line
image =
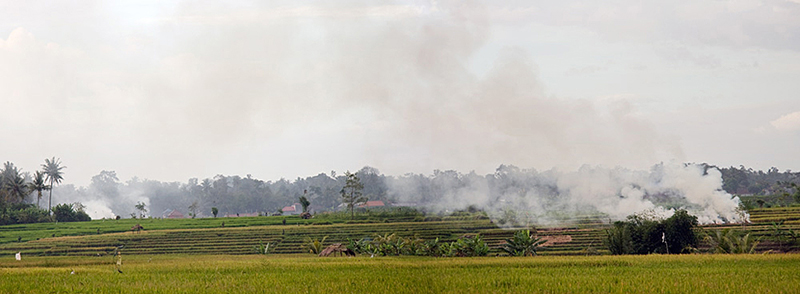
<point x="175" y="214"/>
<point x="375" y="203"/>
<point x="242" y="214"/>
<point x="289" y="209"/>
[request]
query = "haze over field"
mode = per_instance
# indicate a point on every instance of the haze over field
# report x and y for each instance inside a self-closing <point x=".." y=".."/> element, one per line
<point x="172" y="90"/>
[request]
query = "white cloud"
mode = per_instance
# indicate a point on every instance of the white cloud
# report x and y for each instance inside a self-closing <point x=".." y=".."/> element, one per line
<point x="789" y="122"/>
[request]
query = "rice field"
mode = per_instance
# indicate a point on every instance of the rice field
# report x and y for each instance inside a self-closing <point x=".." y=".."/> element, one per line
<point x="239" y="236"/>
<point x="307" y="274"/>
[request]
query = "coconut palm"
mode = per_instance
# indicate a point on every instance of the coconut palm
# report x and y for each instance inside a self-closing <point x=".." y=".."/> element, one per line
<point x="38" y="184"/>
<point x="52" y="168"/>
<point x="13" y="182"/>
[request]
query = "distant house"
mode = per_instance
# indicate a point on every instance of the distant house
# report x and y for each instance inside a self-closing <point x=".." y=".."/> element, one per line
<point x="242" y="214"/>
<point x="171" y="213"/>
<point x="373" y="204"/>
<point x="293" y="209"/>
<point x="404" y="204"/>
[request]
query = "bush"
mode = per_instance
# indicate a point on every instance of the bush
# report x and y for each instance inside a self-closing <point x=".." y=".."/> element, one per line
<point x="21" y="213"/>
<point x="65" y="213"/>
<point x="644" y="234"/>
<point x="523" y="243"/>
<point x="468" y="247"/>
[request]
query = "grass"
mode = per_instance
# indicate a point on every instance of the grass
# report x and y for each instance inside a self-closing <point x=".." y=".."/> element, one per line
<point x="241" y="235"/>
<point x="306" y="274"/>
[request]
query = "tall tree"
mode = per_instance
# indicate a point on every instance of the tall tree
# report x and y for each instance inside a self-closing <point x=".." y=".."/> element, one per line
<point x="142" y="208"/>
<point x="13" y="183"/>
<point x="305" y="203"/>
<point x="352" y="192"/>
<point x="52" y="168"/>
<point x="38" y="184"/>
<point x="193" y="209"/>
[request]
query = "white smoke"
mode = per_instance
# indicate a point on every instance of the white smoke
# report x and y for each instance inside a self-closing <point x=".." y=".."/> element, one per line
<point x="555" y="197"/>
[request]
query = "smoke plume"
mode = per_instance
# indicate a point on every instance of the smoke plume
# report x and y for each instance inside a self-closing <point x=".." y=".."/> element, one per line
<point x="552" y="197"/>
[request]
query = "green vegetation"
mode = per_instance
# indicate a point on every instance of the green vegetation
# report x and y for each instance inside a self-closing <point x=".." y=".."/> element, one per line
<point x="240" y="234"/>
<point x="352" y="192"/>
<point x="522" y="244"/>
<point x="731" y="241"/>
<point x="314" y="246"/>
<point x="70" y="213"/>
<point x="304" y="202"/>
<point x="52" y="169"/>
<point x="645" y="234"/>
<point x="292" y="274"/>
<point x="38" y="184"/>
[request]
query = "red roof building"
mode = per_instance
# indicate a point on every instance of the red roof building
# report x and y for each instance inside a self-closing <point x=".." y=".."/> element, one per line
<point x="376" y="203"/>
<point x="175" y="214"/>
<point x="292" y="209"/>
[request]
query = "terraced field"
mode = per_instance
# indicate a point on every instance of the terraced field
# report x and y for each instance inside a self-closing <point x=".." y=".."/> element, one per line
<point x="242" y="235"/>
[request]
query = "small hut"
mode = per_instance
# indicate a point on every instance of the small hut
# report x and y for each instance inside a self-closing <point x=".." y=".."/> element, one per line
<point x="337" y="248"/>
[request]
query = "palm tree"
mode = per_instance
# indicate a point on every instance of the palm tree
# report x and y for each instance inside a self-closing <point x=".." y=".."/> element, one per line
<point x="13" y="182"/>
<point x="52" y="168"/>
<point x="38" y="184"/>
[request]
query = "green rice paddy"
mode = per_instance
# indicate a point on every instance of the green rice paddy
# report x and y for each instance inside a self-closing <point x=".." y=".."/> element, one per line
<point x="306" y="274"/>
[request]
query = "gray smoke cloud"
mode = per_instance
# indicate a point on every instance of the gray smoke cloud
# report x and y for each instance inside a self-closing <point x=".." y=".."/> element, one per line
<point x="515" y="196"/>
<point x="201" y="89"/>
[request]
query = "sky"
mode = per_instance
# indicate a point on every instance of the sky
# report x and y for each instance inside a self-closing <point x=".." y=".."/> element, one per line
<point x="172" y="90"/>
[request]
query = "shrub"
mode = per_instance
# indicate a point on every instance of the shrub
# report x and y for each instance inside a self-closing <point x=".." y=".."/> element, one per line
<point x="468" y="247"/>
<point x="731" y="241"/>
<point x="314" y="246"/>
<point x="645" y="234"/>
<point x="523" y="243"/>
<point x="65" y="213"/>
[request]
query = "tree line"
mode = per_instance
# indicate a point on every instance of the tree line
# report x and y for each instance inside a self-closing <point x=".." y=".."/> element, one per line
<point x="17" y="187"/>
<point x="323" y="192"/>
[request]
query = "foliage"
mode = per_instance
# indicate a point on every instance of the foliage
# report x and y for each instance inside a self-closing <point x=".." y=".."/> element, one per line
<point x="52" y="168"/>
<point x="618" y="239"/>
<point x="645" y="234"/>
<point x="314" y="246"/>
<point x="782" y="234"/>
<point x="390" y="244"/>
<point x="743" y="180"/>
<point x="38" y="184"/>
<point x="21" y="213"/>
<point x="795" y="195"/>
<point x="263" y="249"/>
<point x="142" y="208"/>
<point x="731" y="241"/>
<point x="214" y="211"/>
<point x="193" y="209"/>
<point x="523" y="243"/>
<point x="305" y="203"/>
<point x="679" y="232"/>
<point x="352" y="192"/>
<point x="70" y="213"/>
<point x="468" y="247"/>
<point x="13" y="188"/>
